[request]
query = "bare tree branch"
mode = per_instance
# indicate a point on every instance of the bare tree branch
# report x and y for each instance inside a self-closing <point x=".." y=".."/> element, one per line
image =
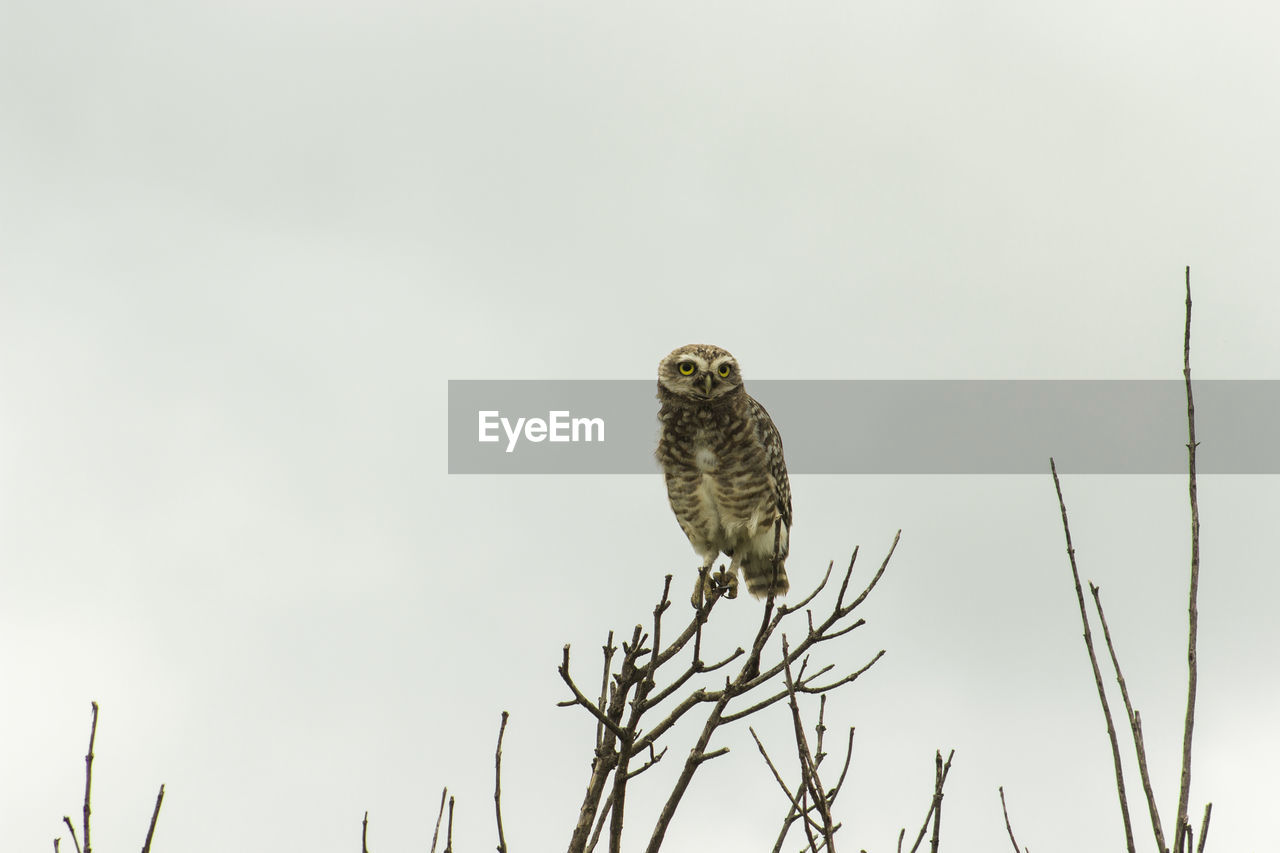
<point x="801" y="807"/>
<point x="698" y="668"/>
<point x="822" y="584"/>
<point x="686" y="774"/>
<point x="605" y="811"/>
<point x="844" y="770"/>
<point x="805" y="686"/>
<point x="72" y="827"/>
<point x="639" y="688"/>
<point x="448" y="837"/>
<point x="1193" y="616"/>
<point x="659" y="609"/>
<point x="1093" y="661"/>
<point x="497" y="784"/>
<point x="88" y="777"/>
<point x="808" y="766"/>
<point x="642" y="678"/>
<point x="580" y="699"/>
<point x="609" y="649"/>
<point x="435" y="836"/>
<point x="1008" y="827"/>
<point x="1204" y="827"/>
<point x="937" y="798"/>
<point x="776" y="775"/>
<point x="935" y="804"/>
<point x="1135" y="722"/>
<point x="364" y="834"/>
<point x="155" y="813"/>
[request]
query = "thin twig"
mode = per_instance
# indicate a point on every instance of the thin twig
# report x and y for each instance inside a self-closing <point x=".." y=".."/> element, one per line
<point x="580" y="699"/>
<point x="659" y="609"/>
<point x="848" y="756"/>
<point x="776" y="775"/>
<point x="448" y="838"/>
<point x="609" y="648"/>
<point x="696" y="668"/>
<point x="155" y="813"/>
<point x="1204" y="827"/>
<point x="88" y="777"/>
<point x="809" y="768"/>
<point x="1135" y="722"/>
<point x="497" y="784"/>
<point x="1193" y="616"/>
<point x="1007" y="826"/>
<point x="1093" y="662"/>
<point x="815" y="635"/>
<point x="364" y="834"/>
<point x="804" y="686"/>
<point x="935" y="804"/>
<point x="800" y="605"/>
<point x="937" y="808"/>
<point x="695" y="698"/>
<point x="654" y="758"/>
<point x="797" y="809"/>
<point x="71" y="826"/>
<point x="793" y="811"/>
<point x="820" y="729"/>
<point x="435" y="836"/>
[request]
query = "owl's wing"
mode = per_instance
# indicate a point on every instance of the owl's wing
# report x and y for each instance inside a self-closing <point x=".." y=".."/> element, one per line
<point x="769" y="438"/>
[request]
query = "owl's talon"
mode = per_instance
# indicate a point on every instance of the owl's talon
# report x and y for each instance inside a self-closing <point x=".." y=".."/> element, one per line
<point x="726" y="583"/>
<point x="711" y="585"/>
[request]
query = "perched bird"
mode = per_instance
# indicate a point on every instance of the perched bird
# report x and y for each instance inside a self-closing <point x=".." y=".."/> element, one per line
<point x="726" y="476"/>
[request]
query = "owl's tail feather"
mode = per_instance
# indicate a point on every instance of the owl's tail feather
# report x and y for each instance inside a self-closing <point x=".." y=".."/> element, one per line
<point x="762" y="578"/>
<point x="764" y="565"/>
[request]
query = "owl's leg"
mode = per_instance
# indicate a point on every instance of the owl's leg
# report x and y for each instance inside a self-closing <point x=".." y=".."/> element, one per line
<point x="704" y="587"/>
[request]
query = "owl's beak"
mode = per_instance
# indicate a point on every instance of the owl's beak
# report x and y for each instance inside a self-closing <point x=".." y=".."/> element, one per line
<point x="706" y="382"/>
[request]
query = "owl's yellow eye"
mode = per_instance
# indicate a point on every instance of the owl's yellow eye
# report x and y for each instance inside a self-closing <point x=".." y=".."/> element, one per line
<point x="724" y="371"/>
<point x="686" y="368"/>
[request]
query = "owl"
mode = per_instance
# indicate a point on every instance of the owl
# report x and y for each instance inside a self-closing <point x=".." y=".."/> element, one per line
<point x="726" y="476"/>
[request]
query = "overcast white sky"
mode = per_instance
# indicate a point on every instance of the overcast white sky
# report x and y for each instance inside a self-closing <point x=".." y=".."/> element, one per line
<point x="244" y="245"/>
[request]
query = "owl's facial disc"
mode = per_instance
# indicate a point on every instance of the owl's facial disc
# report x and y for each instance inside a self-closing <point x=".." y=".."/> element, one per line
<point x="693" y="375"/>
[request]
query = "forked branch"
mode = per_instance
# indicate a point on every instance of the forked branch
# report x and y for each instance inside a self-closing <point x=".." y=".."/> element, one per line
<point x="940" y="771"/>
<point x="86" y="809"/>
<point x="646" y="695"/>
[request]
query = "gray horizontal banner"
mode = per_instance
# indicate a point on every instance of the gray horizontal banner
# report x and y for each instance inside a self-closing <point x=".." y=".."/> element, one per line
<point x="883" y="426"/>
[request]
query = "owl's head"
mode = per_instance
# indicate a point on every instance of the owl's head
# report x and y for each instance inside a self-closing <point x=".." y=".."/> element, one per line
<point x="699" y="372"/>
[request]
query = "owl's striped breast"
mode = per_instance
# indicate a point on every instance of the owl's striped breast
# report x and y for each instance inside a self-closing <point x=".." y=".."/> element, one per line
<point x="716" y="471"/>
